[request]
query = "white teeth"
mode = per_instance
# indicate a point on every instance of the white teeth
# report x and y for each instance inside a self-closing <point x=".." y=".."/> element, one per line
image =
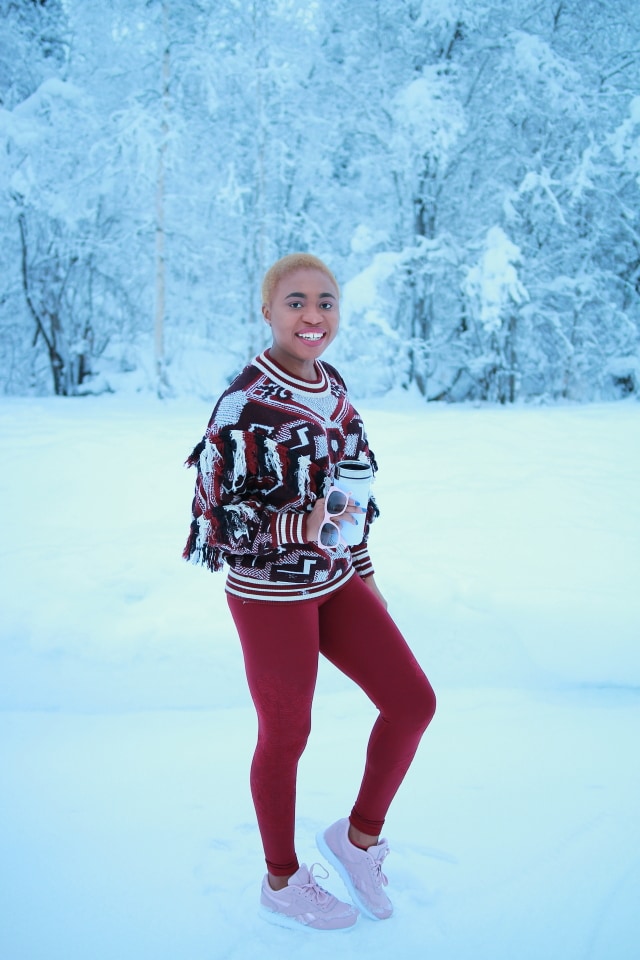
<point x="311" y="336"/>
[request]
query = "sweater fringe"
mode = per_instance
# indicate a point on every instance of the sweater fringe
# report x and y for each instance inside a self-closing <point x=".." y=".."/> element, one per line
<point x="202" y="554"/>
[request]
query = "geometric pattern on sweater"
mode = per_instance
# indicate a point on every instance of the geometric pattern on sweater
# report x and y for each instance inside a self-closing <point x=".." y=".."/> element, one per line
<point x="268" y="453"/>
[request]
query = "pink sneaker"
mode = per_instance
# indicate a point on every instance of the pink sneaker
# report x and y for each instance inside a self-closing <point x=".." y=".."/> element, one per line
<point x="361" y="870"/>
<point x="304" y="903"/>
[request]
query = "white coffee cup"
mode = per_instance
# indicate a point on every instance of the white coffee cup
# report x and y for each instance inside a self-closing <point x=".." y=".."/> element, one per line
<point x="354" y="477"/>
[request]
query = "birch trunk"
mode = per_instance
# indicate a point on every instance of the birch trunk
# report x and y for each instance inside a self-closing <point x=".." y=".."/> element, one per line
<point x="162" y="382"/>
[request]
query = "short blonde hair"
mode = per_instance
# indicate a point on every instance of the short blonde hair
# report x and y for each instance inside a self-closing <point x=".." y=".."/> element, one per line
<point x="286" y="265"/>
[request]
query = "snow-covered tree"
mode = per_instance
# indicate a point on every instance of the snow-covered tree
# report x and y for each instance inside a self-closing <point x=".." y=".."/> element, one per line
<point x="158" y="154"/>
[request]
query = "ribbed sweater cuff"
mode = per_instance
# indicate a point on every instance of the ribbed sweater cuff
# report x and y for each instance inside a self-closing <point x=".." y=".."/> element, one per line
<point x="289" y="527"/>
<point x="361" y="560"/>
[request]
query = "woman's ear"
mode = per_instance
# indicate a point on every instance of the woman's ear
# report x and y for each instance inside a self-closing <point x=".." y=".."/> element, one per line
<point x="266" y="313"/>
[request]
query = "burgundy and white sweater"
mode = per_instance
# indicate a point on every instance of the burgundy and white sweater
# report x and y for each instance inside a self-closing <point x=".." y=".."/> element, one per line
<point x="268" y="453"/>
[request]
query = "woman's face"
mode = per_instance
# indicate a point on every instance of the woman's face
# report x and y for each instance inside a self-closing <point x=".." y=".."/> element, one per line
<point x="304" y="315"/>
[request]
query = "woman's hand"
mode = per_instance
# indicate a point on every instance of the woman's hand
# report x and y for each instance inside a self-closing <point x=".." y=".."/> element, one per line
<point x="315" y="518"/>
<point x="373" y="586"/>
<point x="314" y="521"/>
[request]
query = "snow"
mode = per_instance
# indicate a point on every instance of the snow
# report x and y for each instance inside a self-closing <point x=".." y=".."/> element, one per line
<point x="429" y="113"/>
<point x="361" y="293"/>
<point x="508" y="549"/>
<point x="625" y="141"/>
<point x="536" y="59"/>
<point x="493" y="284"/>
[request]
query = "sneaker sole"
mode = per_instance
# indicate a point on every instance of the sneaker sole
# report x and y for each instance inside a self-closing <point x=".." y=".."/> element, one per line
<point x="327" y="852"/>
<point x="290" y="923"/>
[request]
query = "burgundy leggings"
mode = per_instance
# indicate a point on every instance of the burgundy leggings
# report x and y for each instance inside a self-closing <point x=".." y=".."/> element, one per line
<point x="281" y="642"/>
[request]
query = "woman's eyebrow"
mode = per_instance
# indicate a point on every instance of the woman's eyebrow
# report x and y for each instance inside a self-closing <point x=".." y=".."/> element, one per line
<point x="303" y="296"/>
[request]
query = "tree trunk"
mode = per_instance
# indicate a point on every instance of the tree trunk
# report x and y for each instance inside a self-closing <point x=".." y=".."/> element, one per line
<point x="162" y="383"/>
<point x="55" y="359"/>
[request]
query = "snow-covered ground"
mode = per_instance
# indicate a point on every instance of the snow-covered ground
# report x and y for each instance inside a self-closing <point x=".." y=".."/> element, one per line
<point x="509" y="551"/>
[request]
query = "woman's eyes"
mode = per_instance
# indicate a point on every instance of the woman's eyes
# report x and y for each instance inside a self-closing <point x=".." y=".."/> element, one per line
<point x="324" y="305"/>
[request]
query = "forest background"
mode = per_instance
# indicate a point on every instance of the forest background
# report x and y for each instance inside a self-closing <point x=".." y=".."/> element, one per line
<point x="469" y="168"/>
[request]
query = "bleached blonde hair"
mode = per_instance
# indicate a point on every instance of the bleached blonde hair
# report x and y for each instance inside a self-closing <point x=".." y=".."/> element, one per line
<point x="286" y="265"/>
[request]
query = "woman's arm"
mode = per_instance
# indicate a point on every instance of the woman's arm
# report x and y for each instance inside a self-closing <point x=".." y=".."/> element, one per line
<point x="236" y="469"/>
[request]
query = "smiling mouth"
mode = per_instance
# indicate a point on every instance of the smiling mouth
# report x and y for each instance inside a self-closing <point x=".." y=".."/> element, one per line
<point x="311" y="337"/>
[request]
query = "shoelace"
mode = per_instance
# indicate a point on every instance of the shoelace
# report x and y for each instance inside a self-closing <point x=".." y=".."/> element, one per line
<point x="379" y="877"/>
<point x="312" y="888"/>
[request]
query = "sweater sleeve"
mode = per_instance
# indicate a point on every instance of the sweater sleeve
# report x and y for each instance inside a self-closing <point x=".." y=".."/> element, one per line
<point x="361" y="560"/>
<point x="229" y="515"/>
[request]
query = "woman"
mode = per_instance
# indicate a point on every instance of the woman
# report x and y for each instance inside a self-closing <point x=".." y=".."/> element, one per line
<point x="295" y="590"/>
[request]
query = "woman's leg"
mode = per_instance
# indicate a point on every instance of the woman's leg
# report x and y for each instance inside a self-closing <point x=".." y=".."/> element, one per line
<point x="360" y="638"/>
<point x="280" y="648"/>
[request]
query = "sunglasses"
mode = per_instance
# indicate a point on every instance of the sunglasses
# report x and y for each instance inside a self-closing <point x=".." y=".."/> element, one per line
<point x="335" y="505"/>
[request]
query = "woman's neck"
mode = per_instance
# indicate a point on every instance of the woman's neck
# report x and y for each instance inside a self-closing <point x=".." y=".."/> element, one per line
<point x="301" y="370"/>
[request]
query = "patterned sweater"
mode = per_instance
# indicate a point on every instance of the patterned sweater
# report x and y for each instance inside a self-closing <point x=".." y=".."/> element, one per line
<point x="268" y="454"/>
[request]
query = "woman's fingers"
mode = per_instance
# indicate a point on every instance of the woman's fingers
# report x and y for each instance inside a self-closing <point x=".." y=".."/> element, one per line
<point x="352" y="507"/>
<point x="315" y="517"/>
<point x="314" y="521"/>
